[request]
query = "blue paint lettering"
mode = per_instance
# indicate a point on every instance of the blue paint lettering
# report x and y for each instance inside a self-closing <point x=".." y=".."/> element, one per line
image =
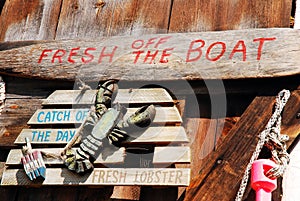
<point x="66" y="135"/>
<point x="54" y="115"/>
<point x="41" y="136"/>
<point x="60" y="116"/>
<point x="67" y="115"/>
<point x="39" y="116"/>
<point x="47" y="135"/>
<point x="72" y="133"/>
<point x="59" y="135"/>
<point x="33" y="135"/>
<point x="48" y="117"/>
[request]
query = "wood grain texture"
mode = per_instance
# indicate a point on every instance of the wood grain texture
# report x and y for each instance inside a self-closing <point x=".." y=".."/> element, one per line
<point x="14" y="117"/>
<point x="71" y="116"/>
<point x="93" y="19"/>
<point x="124" y="96"/>
<point x="153" y="135"/>
<point x="284" y="50"/>
<point x="129" y="176"/>
<point x="29" y="20"/>
<point x="216" y="15"/>
<point x="225" y="167"/>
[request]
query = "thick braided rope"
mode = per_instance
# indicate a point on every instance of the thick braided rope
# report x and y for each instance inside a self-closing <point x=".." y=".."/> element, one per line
<point x="274" y="122"/>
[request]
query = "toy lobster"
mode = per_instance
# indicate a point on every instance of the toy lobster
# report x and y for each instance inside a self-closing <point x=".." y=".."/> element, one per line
<point x="104" y="124"/>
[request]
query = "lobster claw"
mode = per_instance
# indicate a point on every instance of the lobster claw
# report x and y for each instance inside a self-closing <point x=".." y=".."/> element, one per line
<point x="141" y="119"/>
<point x="78" y="161"/>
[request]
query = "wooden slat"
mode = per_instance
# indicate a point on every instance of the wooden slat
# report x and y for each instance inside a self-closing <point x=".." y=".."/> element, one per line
<point x="170" y="155"/>
<point x="216" y="15"/>
<point x="162" y="155"/>
<point x="104" y="176"/>
<point x="260" y="59"/>
<point x="124" y="96"/>
<point x="34" y="20"/>
<point x="71" y="116"/>
<point x="153" y="135"/>
<point x="14" y="157"/>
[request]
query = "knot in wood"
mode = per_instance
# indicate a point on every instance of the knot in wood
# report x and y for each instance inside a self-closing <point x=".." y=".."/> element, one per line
<point x="100" y="4"/>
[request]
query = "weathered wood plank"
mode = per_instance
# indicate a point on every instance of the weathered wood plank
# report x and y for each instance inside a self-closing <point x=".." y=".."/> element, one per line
<point x="153" y="135"/>
<point x="14" y="157"/>
<point x="30" y="20"/>
<point x="161" y="155"/>
<point x="171" y="155"/>
<point x="84" y="19"/>
<point x="124" y="96"/>
<point x="151" y="17"/>
<point x="216" y="15"/>
<point x="240" y="54"/>
<point x="14" y="117"/>
<point x="104" y="176"/>
<point x="109" y="18"/>
<point x="72" y="116"/>
<point x="224" y="168"/>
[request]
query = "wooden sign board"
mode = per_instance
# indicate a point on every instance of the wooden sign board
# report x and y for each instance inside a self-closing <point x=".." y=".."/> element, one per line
<point x="125" y="96"/>
<point x="104" y="176"/>
<point x="236" y="54"/>
<point x="73" y="116"/>
<point x="152" y="135"/>
<point x="163" y="137"/>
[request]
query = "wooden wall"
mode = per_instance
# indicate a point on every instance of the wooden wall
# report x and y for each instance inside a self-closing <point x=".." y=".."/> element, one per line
<point x="68" y="19"/>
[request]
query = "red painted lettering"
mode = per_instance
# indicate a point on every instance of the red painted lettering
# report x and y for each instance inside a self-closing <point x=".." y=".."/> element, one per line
<point x="73" y="52"/>
<point x="58" y="55"/>
<point x="165" y="54"/>
<point x="162" y="40"/>
<point x="220" y="54"/>
<point x="149" y="55"/>
<point x="197" y="49"/>
<point x="43" y="55"/>
<point x="236" y="49"/>
<point x="137" y="44"/>
<point x="261" y="44"/>
<point x="138" y="53"/>
<point x="90" y="56"/>
<point x="150" y="41"/>
<point x="110" y="55"/>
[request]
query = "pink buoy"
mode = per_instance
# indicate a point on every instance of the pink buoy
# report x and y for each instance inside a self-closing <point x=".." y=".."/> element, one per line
<point x="262" y="184"/>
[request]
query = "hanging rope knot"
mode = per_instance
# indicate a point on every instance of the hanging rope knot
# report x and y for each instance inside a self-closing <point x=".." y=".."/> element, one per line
<point x="274" y="141"/>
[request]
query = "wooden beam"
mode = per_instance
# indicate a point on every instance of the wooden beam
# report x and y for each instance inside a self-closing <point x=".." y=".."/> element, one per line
<point x="125" y="96"/>
<point x="153" y="135"/>
<point x="72" y="116"/>
<point x="251" y="53"/>
<point x="103" y="176"/>
<point x="224" y="168"/>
